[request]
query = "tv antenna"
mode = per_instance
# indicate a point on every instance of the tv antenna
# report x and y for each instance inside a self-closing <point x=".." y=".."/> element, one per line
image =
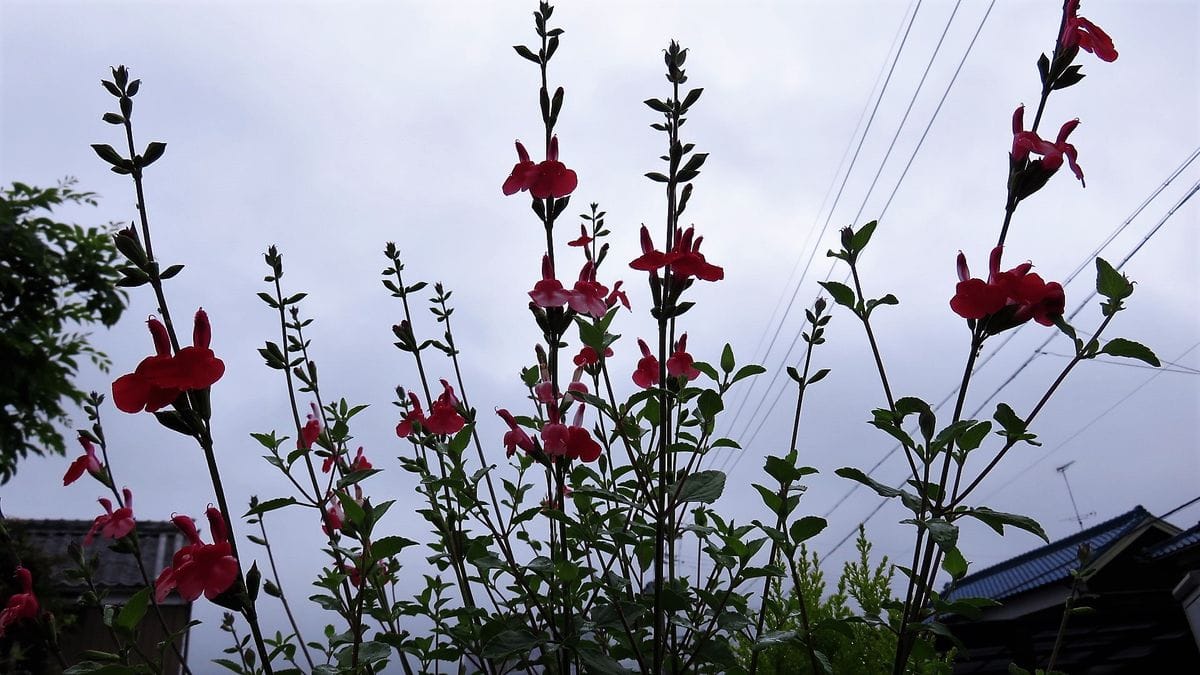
<point x="1062" y="471"/>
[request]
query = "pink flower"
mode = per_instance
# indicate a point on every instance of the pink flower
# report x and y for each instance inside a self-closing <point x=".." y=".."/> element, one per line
<point x="443" y="414"/>
<point x="680" y="362"/>
<point x="414" y="416"/>
<point x="555" y="436"/>
<point x="549" y="179"/>
<point x="515" y="437"/>
<point x="21" y="606"/>
<point x="85" y="462"/>
<point x="1081" y="33"/>
<point x="588" y="296"/>
<point x="1007" y="299"/>
<point x="199" y="568"/>
<point x="549" y="292"/>
<point x="113" y="524"/>
<point x="646" y="375"/>
<point x="1025" y="142"/>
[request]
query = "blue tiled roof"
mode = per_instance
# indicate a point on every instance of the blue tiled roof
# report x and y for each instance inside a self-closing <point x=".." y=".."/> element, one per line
<point x="1047" y="564"/>
<point x="1186" y="539"/>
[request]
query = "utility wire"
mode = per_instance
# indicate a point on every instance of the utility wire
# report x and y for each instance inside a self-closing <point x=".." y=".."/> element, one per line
<point x="1087" y="261"/>
<point x="836" y="199"/>
<point x="1082" y="429"/>
<point x="766" y="413"/>
<point x="878" y="507"/>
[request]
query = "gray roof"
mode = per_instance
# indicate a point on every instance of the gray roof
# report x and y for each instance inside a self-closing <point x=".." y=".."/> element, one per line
<point x="117" y="573"/>
<point x="1048" y="564"/>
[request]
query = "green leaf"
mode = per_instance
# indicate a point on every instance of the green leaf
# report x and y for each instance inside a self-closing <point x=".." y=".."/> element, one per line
<point x="1110" y="283"/>
<point x="863" y="236"/>
<point x="953" y="562"/>
<point x="510" y="642"/>
<point x="911" y="501"/>
<point x="387" y="547"/>
<point x="998" y="519"/>
<point x="710" y="404"/>
<point x="152" y="153"/>
<point x="703" y="486"/>
<point x="1130" y="350"/>
<point x="806" y="528"/>
<point x="840" y="293"/>
<point x="748" y="371"/>
<point x="133" y="611"/>
<point x="270" y="505"/>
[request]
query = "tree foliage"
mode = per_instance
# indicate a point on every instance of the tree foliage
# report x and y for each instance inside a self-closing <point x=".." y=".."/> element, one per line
<point x="55" y="280"/>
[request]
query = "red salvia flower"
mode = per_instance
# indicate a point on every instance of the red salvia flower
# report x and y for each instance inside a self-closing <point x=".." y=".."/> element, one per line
<point x="680" y="362"/>
<point x="20" y="606"/>
<point x="1025" y="142"/>
<point x="1006" y="299"/>
<point x="646" y="375"/>
<point x="199" y="568"/>
<point x="1081" y="33"/>
<point x="588" y="356"/>
<point x="87" y="462"/>
<point x="113" y="524"/>
<point x="550" y="179"/>
<point x="414" y="416"/>
<point x="549" y="292"/>
<point x="311" y="430"/>
<point x="684" y="259"/>
<point x="617" y="295"/>
<point x="160" y="379"/>
<point x="360" y="462"/>
<point x="580" y="444"/>
<point x="443" y="413"/>
<point x="584" y="238"/>
<point x="334" y="517"/>
<point x="589" y="295"/>
<point x="515" y="437"/>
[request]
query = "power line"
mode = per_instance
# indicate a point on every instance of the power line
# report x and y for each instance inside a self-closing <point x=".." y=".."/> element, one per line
<point x="1084" y="428"/>
<point x="1087" y="260"/>
<point x="766" y="413"/>
<point x="1183" y="200"/>
<point x="836" y="199"/>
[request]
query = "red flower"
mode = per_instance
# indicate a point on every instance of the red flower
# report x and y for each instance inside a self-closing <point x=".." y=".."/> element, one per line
<point x="646" y="375"/>
<point x="443" y="414"/>
<point x="199" y="568"/>
<point x="360" y="462"/>
<point x="684" y="259"/>
<point x="548" y="179"/>
<point x="334" y="516"/>
<point x="414" y="416"/>
<point x="113" y="524"/>
<point x="589" y="295"/>
<point x="311" y="430"/>
<point x="617" y="295"/>
<point x="1007" y="299"/>
<point x="588" y="356"/>
<point x="584" y="238"/>
<point x="549" y="292"/>
<point x="680" y="362"/>
<point x="85" y="462"/>
<point x="515" y="437"/>
<point x="580" y="444"/>
<point x="158" y="380"/>
<point x="1025" y="142"/>
<point x="1081" y="33"/>
<point x="23" y="605"/>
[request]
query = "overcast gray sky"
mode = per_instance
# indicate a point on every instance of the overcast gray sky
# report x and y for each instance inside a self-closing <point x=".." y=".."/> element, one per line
<point x="330" y="128"/>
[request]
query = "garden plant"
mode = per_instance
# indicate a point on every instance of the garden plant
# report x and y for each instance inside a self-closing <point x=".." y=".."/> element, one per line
<point x="556" y="547"/>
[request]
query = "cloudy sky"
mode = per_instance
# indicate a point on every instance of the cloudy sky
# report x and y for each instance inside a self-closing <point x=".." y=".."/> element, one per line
<point x="331" y="128"/>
